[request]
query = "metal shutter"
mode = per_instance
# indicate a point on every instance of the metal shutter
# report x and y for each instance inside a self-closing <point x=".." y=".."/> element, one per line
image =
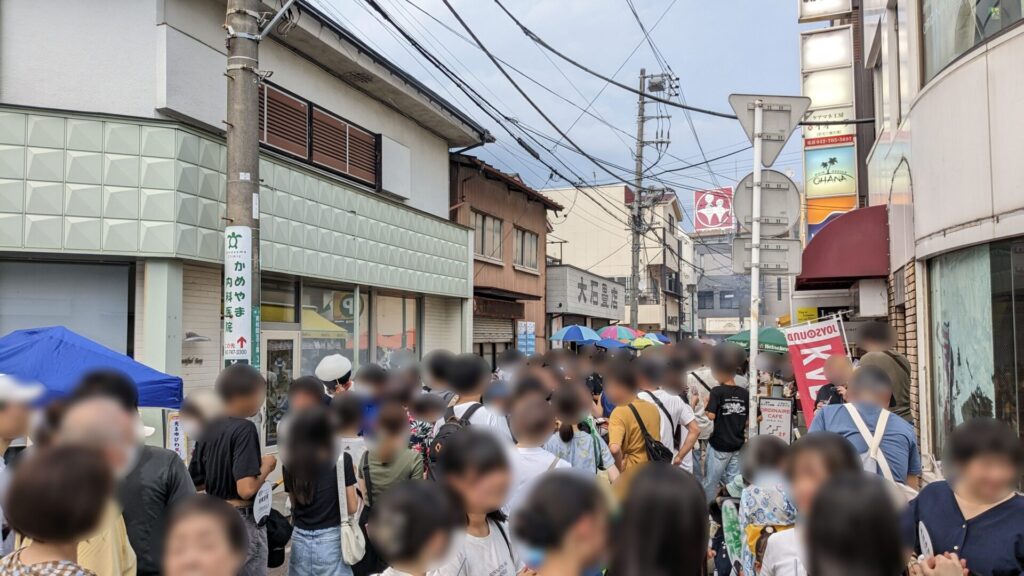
<point x="284" y="122"/>
<point x="330" y="141"/>
<point x="492" y="330"/>
<point x="442" y="324"/>
<point x="362" y="155"/>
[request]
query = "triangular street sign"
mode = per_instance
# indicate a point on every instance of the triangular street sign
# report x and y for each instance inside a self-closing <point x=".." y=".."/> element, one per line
<point x="782" y="114"/>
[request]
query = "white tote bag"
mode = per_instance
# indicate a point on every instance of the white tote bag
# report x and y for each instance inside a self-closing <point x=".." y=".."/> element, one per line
<point x="353" y="545"/>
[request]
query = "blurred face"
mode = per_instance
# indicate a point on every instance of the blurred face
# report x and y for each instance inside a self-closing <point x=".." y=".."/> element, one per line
<point x="809" y="474"/>
<point x="198" y="546"/>
<point x="483" y="493"/>
<point x="616" y="392"/>
<point x="838" y="370"/>
<point x="303" y="401"/>
<point x="990" y="476"/>
<point x="14" y="420"/>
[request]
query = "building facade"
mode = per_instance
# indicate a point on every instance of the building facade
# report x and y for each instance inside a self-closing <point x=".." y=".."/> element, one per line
<point x="595" y="237"/>
<point x="112" y="190"/>
<point x="946" y="167"/>
<point x="575" y="296"/>
<point x="509" y="220"/>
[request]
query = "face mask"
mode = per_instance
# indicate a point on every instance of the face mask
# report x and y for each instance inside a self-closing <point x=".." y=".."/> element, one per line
<point x="190" y="427"/>
<point x="533" y="557"/>
<point x="131" y="458"/>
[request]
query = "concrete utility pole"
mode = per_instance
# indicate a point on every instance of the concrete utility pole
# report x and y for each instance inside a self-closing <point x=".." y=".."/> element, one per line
<point x="242" y="231"/>
<point x="636" y="212"/>
<point x="755" y="266"/>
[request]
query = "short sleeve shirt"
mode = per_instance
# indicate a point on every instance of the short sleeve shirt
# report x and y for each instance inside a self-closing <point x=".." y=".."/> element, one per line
<point x="624" y="430"/>
<point x="899" y="444"/>
<point x="228" y="452"/>
<point x="324" y="510"/>
<point x="729" y="405"/>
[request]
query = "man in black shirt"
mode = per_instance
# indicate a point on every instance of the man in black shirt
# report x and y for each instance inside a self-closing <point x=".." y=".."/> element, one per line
<point x="727" y="408"/>
<point x="227" y="461"/>
<point x="838" y="371"/>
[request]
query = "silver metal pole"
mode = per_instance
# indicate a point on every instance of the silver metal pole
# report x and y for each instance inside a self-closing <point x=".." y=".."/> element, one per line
<point x="755" y="269"/>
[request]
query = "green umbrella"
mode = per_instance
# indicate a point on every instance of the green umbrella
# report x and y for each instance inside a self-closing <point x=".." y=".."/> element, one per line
<point x="768" y="340"/>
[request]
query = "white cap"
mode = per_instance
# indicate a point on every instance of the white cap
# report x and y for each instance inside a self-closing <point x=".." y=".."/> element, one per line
<point x="14" y="390"/>
<point x="333" y="367"/>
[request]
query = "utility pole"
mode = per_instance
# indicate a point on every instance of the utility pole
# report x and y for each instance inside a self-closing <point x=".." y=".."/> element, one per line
<point x="636" y="212"/>
<point x="755" y="265"/>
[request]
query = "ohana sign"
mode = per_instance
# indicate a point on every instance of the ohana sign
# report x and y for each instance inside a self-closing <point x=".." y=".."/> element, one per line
<point x="810" y="346"/>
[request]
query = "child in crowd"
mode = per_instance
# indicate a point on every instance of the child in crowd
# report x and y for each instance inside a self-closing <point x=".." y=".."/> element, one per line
<point x="228" y="462"/>
<point x="347" y="410"/>
<point x="468" y="377"/>
<point x="205" y="537"/>
<point x="477" y="472"/>
<point x="765" y="506"/>
<point x="564" y="526"/>
<point x="312" y="481"/>
<point x="532" y="420"/>
<point x="412" y="527"/>
<point x="727" y="408"/>
<point x="577" y="440"/>
<point x="386" y="463"/>
<point x="56" y="499"/>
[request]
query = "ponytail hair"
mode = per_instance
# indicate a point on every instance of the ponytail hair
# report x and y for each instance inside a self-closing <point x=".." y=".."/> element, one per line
<point x="568" y="404"/>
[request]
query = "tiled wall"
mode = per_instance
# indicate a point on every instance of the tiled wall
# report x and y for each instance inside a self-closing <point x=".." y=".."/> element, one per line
<point x="81" y="184"/>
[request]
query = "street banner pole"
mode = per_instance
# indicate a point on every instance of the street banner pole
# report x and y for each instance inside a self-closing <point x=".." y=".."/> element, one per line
<point x="755" y="269"/>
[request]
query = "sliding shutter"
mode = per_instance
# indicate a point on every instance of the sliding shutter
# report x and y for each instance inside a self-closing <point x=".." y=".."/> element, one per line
<point x="284" y="124"/>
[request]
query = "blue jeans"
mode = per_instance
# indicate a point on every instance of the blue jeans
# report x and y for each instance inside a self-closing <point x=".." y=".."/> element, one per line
<point x="317" y="553"/>
<point x="722" y="467"/>
<point x="699" y="452"/>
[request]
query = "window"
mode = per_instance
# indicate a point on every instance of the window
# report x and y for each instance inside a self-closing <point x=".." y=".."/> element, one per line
<point x="487" y="237"/>
<point x="952" y="27"/>
<point x="705" y="300"/>
<point x="290" y="124"/>
<point x="526" y="249"/>
<point x="396" y="323"/>
<point x="727" y="300"/>
<point x="328" y="325"/>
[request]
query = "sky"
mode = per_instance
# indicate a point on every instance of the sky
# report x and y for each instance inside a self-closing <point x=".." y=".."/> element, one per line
<point x="715" y="48"/>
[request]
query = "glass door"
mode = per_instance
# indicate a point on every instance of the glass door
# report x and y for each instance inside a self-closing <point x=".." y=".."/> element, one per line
<point x="280" y="364"/>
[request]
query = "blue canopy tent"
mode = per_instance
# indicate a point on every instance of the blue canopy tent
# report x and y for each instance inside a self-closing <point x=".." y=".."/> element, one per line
<point x="57" y="358"/>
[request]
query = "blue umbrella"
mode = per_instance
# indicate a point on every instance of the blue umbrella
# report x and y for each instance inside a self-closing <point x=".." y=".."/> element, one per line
<point x="576" y="333"/>
<point x="659" y="337"/>
<point x="611" y="344"/>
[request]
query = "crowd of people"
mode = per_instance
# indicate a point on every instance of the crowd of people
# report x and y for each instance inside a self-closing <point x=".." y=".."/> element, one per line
<point x="572" y="463"/>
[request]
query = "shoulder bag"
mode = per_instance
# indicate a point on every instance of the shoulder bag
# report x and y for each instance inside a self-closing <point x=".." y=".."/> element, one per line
<point x="353" y="544"/>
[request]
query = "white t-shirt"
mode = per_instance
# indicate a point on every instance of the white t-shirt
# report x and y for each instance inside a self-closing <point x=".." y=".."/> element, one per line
<point x="482" y="418"/>
<point x="353" y="446"/>
<point x="488" y="556"/>
<point x="528" y="465"/>
<point x="784" y="555"/>
<point x="681" y="415"/>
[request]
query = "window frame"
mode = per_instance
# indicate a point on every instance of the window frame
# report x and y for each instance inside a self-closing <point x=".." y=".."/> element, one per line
<point x="728" y="294"/>
<point x="704" y="296"/>
<point x="521" y="249"/>
<point x="482" y="234"/>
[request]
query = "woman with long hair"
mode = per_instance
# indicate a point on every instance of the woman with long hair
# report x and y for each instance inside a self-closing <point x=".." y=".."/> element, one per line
<point x="663" y="530"/>
<point x="311" y="479"/>
<point x="564" y="525"/>
<point x="477" y="472"/>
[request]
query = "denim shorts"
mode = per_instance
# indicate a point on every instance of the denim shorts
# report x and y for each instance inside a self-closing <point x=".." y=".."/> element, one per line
<point x="317" y="553"/>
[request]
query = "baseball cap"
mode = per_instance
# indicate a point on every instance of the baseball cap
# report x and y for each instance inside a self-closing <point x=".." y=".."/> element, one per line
<point x="333" y="367"/>
<point x="14" y="390"/>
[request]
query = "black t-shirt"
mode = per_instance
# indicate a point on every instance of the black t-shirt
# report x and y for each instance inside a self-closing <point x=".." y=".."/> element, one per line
<point x="829" y="395"/>
<point x="325" y="510"/>
<point x="729" y="405"/>
<point x="228" y="451"/>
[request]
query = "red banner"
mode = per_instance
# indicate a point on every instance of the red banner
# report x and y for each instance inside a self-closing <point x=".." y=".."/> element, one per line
<point x="810" y="346"/>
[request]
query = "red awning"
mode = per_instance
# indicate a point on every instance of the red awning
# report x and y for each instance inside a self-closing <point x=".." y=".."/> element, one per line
<point x="854" y="246"/>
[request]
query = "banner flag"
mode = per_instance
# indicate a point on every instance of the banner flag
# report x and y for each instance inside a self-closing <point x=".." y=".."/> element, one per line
<point x="810" y="346"/>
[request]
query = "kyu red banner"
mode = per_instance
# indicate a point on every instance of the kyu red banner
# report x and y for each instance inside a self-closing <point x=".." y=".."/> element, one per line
<point x="810" y="346"/>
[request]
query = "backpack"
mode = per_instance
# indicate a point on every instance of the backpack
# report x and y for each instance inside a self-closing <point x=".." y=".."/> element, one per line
<point x="656" y="451"/>
<point x="452" y="425"/>
<point x="676" y="436"/>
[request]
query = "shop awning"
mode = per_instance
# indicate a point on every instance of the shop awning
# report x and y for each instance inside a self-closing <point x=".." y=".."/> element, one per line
<point x="854" y="246"/>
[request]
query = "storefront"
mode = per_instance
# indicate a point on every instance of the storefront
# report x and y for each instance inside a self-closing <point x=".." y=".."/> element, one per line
<point x="575" y="296"/>
<point x="976" y="335"/>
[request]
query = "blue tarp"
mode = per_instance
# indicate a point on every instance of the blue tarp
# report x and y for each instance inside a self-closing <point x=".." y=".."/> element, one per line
<point x="57" y="358"/>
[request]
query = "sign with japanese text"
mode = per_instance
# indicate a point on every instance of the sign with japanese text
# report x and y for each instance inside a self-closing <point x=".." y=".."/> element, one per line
<point x="238" y="312"/>
<point x="776" y="418"/>
<point x="526" y="337"/>
<point x="176" y="440"/>
<point x="712" y="210"/>
<point x="571" y="290"/>
<point x="810" y="346"/>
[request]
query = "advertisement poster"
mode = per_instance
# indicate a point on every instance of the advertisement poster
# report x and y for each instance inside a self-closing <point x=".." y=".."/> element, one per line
<point x="526" y="337"/>
<point x="830" y="171"/>
<point x="776" y="418"/>
<point x="821" y="211"/>
<point x="238" y="313"/>
<point x="810" y="346"/>
<point x="712" y="210"/>
<point x="962" y="351"/>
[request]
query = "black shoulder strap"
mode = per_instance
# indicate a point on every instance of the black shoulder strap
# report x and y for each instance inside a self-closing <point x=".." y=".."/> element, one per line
<point x="658" y="403"/>
<point x="471" y="410"/>
<point x="504" y="536"/>
<point x="896" y="359"/>
<point x="701" y="380"/>
<point x="643" y="429"/>
<point x="365" y="466"/>
<point x="449" y="413"/>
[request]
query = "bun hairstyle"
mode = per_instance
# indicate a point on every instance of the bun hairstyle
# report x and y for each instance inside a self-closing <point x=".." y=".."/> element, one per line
<point x="568" y="404"/>
<point x="555" y="504"/>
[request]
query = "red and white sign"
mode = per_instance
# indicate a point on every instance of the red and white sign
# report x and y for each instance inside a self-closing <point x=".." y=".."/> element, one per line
<point x="810" y="346"/>
<point x="712" y="210"/>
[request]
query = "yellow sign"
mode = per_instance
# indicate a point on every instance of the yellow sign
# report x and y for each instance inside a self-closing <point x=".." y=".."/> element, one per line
<point x="806" y="315"/>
